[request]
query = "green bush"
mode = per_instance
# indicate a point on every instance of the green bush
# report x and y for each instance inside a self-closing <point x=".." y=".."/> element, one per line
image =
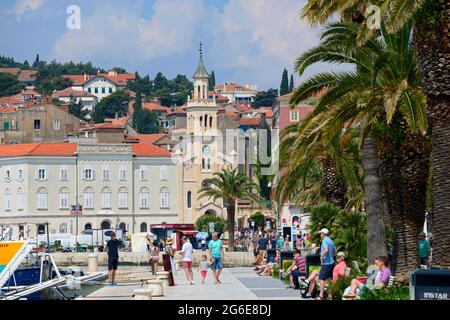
<point x="337" y="289"/>
<point x="275" y="271"/>
<point x="391" y="293"/>
<point x="202" y="223"/>
<point x="286" y="264"/>
<point x="258" y="217"/>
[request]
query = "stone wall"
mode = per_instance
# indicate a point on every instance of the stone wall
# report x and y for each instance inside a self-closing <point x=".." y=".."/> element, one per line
<point x="81" y="258"/>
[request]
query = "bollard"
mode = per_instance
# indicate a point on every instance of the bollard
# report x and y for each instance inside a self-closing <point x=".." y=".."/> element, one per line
<point x="92" y="262"/>
<point x="142" y="294"/>
<point x="163" y="275"/>
<point x="157" y="286"/>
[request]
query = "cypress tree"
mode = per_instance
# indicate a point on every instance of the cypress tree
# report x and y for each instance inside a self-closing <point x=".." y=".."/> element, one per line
<point x="212" y="81"/>
<point x="291" y="84"/>
<point x="36" y="62"/>
<point x="137" y="113"/>
<point x="284" y="87"/>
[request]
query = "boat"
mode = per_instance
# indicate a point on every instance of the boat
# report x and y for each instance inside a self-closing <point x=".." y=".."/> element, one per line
<point x="29" y="274"/>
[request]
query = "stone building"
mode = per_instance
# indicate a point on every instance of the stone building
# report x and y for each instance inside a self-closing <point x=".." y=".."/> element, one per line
<point x="39" y="122"/>
<point x="119" y="186"/>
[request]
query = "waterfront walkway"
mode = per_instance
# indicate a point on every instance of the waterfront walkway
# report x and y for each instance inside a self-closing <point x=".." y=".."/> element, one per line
<point x="237" y="284"/>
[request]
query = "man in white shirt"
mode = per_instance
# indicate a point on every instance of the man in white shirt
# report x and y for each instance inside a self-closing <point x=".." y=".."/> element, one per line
<point x="186" y="252"/>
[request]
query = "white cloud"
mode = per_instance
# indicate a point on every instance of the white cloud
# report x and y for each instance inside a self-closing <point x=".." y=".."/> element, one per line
<point x="250" y="41"/>
<point x="119" y="32"/>
<point x="22" y="6"/>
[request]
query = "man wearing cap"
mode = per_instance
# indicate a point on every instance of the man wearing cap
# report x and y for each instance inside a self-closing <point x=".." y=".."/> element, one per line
<point x="327" y="251"/>
<point x="424" y="249"/>
<point x="339" y="268"/>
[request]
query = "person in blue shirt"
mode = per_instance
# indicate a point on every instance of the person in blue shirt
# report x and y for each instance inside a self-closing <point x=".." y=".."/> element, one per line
<point x="327" y="251"/>
<point x="217" y="256"/>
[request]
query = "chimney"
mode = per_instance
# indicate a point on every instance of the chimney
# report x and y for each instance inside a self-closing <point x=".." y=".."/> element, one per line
<point x="116" y="116"/>
<point x="85" y="77"/>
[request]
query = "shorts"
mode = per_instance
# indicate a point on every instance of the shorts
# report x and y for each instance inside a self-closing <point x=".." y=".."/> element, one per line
<point x="326" y="272"/>
<point x="113" y="262"/>
<point x="187" y="264"/>
<point x="203" y="273"/>
<point x="262" y="253"/>
<point x="217" y="264"/>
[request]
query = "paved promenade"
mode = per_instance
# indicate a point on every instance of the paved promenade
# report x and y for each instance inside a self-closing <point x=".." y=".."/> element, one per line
<point x="237" y="284"/>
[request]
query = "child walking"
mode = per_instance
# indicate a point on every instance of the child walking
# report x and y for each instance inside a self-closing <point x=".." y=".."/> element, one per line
<point x="203" y="267"/>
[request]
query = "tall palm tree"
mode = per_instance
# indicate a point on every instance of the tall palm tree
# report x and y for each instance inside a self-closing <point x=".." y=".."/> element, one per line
<point x="431" y="44"/>
<point x="307" y="160"/>
<point x="385" y="86"/>
<point x="230" y="186"/>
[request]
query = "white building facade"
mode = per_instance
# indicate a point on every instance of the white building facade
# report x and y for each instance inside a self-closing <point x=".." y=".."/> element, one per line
<point x="117" y="185"/>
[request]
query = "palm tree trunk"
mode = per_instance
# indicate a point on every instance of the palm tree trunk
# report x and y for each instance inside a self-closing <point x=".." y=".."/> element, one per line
<point x="404" y="167"/>
<point x="231" y="213"/>
<point x="376" y="238"/>
<point x="432" y="46"/>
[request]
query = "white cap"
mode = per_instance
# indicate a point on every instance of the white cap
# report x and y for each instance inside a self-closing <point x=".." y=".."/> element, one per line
<point x="325" y="230"/>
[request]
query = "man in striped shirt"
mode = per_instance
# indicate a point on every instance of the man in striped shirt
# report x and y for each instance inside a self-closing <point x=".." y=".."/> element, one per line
<point x="297" y="269"/>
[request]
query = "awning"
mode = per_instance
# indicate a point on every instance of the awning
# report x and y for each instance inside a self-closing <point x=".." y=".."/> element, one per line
<point x="189" y="232"/>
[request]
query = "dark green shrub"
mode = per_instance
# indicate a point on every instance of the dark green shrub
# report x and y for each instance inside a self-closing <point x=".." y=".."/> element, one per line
<point x="286" y="264"/>
<point x="337" y="289"/>
<point x="275" y="271"/>
<point x="391" y="293"/>
<point x="202" y="223"/>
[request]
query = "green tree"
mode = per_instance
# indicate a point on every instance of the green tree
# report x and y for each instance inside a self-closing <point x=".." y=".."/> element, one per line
<point x="160" y="81"/>
<point x="258" y="217"/>
<point x="77" y="108"/>
<point x="212" y="81"/>
<point x="265" y="98"/>
<point x="9" y="85"/>
<point x="230" y="185"/>
<point x="382" y="96"/>
<point x="202" y="223"/>
<point x="26" y="65"/>
<point x="49" y="85"/>
<point x="284" y="87"/>
<point x="431" y="46"/>
<point x="108" y="107"/>
<point x="147" y="122"/>
<point x="36" y="61"/>
<point x="291" y="83"/>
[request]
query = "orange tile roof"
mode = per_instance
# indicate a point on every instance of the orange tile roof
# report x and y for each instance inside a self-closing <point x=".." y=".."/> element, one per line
<point x="71" y="92"/>
<point x="120" y="79"/>
<point x="152" y="106"/>
<point x="249" y="121"/>
<point x="147" y="139"/>
<point x="231" y="86"/>
<point x="8" y="109"/>
<point x="13" y="71"/>
<point x="69" y="149"/>
<point x="142" y="150"/>
<point x="243" y="107"/>
<point x="50" y="149"/>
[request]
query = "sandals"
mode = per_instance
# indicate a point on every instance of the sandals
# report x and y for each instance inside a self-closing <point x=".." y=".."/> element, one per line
<point x="319" y="298"/>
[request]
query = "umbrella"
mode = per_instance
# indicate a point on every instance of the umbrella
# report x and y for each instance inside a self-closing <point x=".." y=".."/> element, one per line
<point x="201" y="235"/>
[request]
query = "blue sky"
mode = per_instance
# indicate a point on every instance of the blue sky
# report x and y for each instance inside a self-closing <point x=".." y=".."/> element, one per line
<point x="245" y="41"/>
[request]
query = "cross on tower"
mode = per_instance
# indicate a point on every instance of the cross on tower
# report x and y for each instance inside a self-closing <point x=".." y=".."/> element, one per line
<point x="201" y="50"/>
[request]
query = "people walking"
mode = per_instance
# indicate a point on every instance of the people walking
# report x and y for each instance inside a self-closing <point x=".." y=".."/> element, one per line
<point x="112" y="249"/>
<point x="186" y="252"/>
<point x="168" y="260"/>
<point x="203" y="267"/>
<point x="154" y="257"/>
<point x="217" y="256"/>
<point x="327" y="251"/>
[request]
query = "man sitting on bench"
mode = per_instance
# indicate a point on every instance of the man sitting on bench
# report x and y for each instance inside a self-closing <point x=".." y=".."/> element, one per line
<point x="297" y="269"/>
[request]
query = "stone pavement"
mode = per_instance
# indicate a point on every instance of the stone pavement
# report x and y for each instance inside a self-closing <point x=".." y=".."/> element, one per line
<point x="237" y="284"/>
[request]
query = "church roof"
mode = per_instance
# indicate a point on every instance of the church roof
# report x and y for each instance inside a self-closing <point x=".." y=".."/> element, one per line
<point x="201" y="70"/>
